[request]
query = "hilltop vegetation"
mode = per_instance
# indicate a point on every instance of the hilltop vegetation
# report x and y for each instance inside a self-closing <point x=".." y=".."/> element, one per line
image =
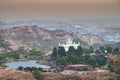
<point x="4" y="46"/>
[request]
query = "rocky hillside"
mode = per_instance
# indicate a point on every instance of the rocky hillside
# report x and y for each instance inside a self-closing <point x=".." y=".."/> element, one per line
<point x="36" y="37"/>
<point x="4" y="46"/>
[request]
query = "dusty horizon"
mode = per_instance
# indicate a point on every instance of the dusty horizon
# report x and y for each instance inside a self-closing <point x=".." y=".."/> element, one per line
<point x="33" y="9"/>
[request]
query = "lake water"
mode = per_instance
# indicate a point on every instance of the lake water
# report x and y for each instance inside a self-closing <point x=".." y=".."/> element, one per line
<point x="30" y="63"/>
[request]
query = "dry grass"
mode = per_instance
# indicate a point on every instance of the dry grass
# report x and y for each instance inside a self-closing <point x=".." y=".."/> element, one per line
<point x="90" y="76"/>
<point x="9" y="74"/>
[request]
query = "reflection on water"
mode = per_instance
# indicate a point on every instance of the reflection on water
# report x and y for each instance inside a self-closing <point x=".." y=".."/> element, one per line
<point x="30" y="63"/>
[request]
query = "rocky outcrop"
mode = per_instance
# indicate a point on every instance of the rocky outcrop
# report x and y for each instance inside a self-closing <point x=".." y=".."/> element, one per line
<point x="89" y="39"/>
<point x="36" y="37"/>
<point x="32" y="31"/>
<point x="61" y="35"/>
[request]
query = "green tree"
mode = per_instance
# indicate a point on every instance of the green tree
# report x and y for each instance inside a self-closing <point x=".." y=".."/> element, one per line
<point x="73" y="58"/>
<point x="92" y="61"/>
<point x="102" y="49"/>
<point x="97" y="51"/>
<point x="71" y="49"/>
<point x="34" y="68"/>
<point x="21" y="50"/>
<point x="58" y="69"/>
<point x="110" y="67"/>
<point x="101" y="60"/>
<point x="91" y="49"/>
<point x="37" y="75"/>
<point x="116" y="50"/>
<point x="40" y="69"/>
<point x="61" y="51"/>
<point x="16" y="56"/>
<point x="28" y="69"/>
<point x="109" y="49"/>
<point x="20" y="68"/>
<point x="3" y="43"/>
<point x="79" y="51"/>
<point x="87" y="51"/>
<point x="54" y="53"/>
<point x="63" y="61"/>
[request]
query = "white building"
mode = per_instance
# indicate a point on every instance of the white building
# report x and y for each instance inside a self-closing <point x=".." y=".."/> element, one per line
<point x="69" y="43"/>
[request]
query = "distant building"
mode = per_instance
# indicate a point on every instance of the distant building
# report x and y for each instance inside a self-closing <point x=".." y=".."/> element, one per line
<point x="79" y="67"/>
<point x="69" y="43"/>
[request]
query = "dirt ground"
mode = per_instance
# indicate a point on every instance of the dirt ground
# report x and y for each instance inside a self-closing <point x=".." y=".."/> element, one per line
<point x="90" y="76"/>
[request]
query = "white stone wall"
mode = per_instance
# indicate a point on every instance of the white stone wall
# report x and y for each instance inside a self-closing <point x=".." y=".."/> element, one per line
<point x="68" y="44"/>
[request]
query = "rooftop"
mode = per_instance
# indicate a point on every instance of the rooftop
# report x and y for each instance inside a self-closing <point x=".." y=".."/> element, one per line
<point x="78" y="65"/>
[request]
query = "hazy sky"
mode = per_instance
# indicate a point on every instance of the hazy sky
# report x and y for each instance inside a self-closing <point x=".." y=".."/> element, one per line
<point x="36" y="9"/>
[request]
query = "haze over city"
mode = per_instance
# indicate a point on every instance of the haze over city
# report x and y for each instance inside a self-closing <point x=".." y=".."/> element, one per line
<point x="58" y="9"/>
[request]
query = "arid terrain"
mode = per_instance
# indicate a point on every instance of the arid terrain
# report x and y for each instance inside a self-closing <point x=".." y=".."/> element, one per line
<point x="91" y="76"/>
<point x="9" y="74"/>
<point x="36" y="37"/>
<point x="20" y="75"/>
<point x="45" y="35"/>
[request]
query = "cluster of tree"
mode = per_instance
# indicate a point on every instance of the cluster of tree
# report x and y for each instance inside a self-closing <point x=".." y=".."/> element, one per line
<point x="75" y="56"/>
<point x="60" y="51"/>
<point x="30" y="69"/>
<point x="10" y="55"/>
<point x="4" y="57"/>
<point x="96" y="61"/>
<point x="108" y="49"/>
<point x="116" y="51"/>
<point x="37" y="75"/>
<point x="34" y="70"/>
<point x="3" y="43"/>
<point x="105" y="49"/>
<point x="34" y="54"/>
